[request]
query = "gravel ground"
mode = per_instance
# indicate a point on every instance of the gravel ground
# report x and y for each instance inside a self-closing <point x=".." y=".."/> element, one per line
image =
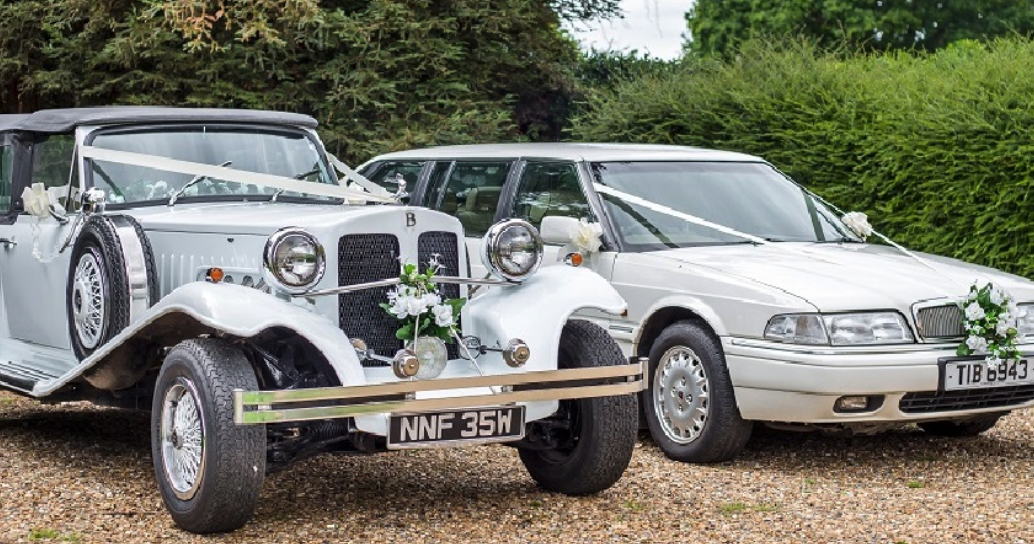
<point x="76" y="473"/>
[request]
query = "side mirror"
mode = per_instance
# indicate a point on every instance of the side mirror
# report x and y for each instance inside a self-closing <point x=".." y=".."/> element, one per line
<point x="557" y="229"/>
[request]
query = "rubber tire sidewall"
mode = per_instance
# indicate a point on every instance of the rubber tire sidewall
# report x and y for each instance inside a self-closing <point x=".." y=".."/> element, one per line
<point x="234" y="456"/>
<point x="609" y="425"/>
<point x="725" y="433"/>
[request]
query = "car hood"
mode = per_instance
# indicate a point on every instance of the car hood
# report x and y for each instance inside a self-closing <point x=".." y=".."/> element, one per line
<point x="258" y="218"/>
<point x="844" y="277"/>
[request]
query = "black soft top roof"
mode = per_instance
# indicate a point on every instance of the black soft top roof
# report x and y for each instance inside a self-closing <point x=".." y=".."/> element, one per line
<point x="66" y="120"/>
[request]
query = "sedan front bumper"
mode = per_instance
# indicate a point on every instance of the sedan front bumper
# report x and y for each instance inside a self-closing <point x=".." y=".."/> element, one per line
<point x="257" y="407"/>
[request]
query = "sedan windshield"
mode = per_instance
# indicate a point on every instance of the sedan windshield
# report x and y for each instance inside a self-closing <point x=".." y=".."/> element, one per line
<point x="285" y="153"/>
<point x="748" y="198"/>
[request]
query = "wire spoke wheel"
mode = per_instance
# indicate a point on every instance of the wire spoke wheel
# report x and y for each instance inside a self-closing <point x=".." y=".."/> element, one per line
<point x="182" y="438"/>
<point x="88" y="308"/>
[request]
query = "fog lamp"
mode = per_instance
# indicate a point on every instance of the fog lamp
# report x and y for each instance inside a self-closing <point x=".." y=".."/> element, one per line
<point x="857" y="403"/>
<point x="405" y="364"/>
<point x="433" y="356"/>
<point x="516" y="353"/>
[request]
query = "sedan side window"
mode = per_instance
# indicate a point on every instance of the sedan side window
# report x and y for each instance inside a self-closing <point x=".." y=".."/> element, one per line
<point x="550" y="188"/>
<point x="473" y="191"/>
<point x="386" y="172"/>
<point x="6" y="177"/>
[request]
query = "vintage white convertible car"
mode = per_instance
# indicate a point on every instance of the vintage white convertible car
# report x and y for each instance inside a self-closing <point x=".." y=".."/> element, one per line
<point x="751" y="297"/>
<point x="209" y="266"/>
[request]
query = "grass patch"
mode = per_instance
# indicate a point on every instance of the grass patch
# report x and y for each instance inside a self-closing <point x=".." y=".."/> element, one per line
<point x="737" y="507"/>
<point x="534" y="503"/>
<point x="914" y="484"/>
<point x="52" y="534"/>
<point x="733" y="508"/>
<point x="634" y="506"/>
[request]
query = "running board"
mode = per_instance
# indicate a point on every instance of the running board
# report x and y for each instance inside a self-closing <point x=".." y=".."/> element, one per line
<point x="21" y="377"/>
<point x="24" y="366"/>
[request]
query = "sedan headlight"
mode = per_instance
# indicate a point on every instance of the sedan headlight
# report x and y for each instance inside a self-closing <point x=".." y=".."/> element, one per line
<point x="858" y="329"/>
<point x="294" y="260"/>
<point x="1025" y="320"/>
<point x="512" y="249"/>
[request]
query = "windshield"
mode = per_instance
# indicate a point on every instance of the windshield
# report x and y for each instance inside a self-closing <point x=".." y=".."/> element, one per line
<point x="751" y="198"/>
<point x="290" y="154"/>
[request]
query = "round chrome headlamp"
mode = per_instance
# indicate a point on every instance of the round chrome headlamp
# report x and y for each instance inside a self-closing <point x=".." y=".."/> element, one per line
<point x="512" y="249"/>
<point x="294" y="260"/>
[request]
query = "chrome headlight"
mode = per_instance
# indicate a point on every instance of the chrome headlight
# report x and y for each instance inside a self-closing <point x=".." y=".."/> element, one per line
<point x="858" y="329"/>
<point x="1025" y="320"/>
<point x="294" y="260"/>
<point x="512" y="249"/>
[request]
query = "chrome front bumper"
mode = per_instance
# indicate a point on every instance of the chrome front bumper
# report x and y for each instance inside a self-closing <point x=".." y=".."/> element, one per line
<point x="256" y="407"/>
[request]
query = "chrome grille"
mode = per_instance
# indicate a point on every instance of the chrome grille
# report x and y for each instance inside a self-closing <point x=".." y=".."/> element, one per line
<point x="940" y="322"/>
<point x="446" y="246"/>
<point x="363" y="258"/>
<point x="969" y="399"/>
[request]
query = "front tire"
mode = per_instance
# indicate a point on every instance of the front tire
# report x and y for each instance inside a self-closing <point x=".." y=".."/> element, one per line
<point x="594" y="437"/>
<point x="959" y="429"/>
<point x="689" y="404"/>
<point x="210" y="470"/>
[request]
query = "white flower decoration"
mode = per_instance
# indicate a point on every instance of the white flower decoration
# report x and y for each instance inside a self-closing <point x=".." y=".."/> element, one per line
<point x="976" y="343"/>
<point x="974" y="312"/>
<point x="36" y="200"/>
<point x="858" y="222"/>
<point x="442" y="315"/>
<point x="586" y="236"/>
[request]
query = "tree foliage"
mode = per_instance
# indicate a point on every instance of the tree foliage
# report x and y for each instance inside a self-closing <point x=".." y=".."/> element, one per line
<point x="719" y="26"/>
<point x="378" y="74"/>
<point x="936" y="148"/>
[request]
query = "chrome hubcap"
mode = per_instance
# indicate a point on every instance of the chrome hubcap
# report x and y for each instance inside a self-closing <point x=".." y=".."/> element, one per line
<point x="680" y="395"/>
<point x="88" y="301"/>
<point x="182" y="436"/>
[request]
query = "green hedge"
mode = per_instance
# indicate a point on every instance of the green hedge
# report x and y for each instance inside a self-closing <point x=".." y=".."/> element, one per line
<point x="938" y="149"/>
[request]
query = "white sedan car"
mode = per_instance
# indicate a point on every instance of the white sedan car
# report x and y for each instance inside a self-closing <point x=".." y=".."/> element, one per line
<point x="752" y="298"/>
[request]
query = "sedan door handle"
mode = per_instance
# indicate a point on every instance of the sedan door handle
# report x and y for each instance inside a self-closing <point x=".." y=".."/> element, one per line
<point x="8" y="242"/>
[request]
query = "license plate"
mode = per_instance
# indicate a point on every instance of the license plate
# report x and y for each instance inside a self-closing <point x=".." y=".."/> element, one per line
<point x="976" y="374"/>
<point x="456" y="427"/>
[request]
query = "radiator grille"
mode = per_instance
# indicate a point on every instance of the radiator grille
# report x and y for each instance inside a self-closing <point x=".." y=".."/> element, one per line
<point x="946" y="401"/>
<point x="363" y="258"/>
<point x="446" y="246"/>
<point x="940" y="322"/>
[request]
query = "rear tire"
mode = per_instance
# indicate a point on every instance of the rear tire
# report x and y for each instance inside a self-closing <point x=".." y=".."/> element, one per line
<point x="598" y="434"/>
<point x="689" y="402"/>
<point x="210" y="470"/>
<point x="966" y="427"/>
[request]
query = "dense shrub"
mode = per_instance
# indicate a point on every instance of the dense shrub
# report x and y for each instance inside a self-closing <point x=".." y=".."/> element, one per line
<point x="938" y="149"/>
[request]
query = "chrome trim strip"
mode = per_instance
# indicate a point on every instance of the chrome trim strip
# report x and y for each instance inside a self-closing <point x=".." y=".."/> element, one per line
<point x="887" y="349"/>
<point x="261" y="402"/>
<point x="395" y="281"/>
<point x="327" y="412"/>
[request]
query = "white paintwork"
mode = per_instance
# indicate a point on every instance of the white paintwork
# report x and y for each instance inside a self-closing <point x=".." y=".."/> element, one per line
<point x="736" y="289"/>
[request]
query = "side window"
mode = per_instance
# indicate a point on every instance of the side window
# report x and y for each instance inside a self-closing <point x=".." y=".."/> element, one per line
<point x="52" y="160"/>
<point x="471" y="193"/>
<point x="386" y="172"/>
<point x="6" y="177"/>
<point x="550" y="188"/>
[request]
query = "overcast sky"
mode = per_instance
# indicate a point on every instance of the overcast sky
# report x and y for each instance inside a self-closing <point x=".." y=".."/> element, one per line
<point x="653" y="26"/>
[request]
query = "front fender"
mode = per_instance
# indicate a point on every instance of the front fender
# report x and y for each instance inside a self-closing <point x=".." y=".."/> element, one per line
<point x="226" y="308"/>
<point x="536" y="310"/>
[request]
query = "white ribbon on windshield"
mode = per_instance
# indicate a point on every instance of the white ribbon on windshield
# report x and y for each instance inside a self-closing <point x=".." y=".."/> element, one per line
<point x="660" y="208"/>
<point x="358" y="178"/>
<point x="228" y="174"/>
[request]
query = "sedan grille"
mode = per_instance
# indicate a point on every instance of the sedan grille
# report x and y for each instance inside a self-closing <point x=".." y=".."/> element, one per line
<point x="940" y="322"/>
<point x="363" y="258"/>
<point x="970" y="399"/>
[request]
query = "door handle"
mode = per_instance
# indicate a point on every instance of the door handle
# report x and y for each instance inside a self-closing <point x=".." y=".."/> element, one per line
<point x="8" y="242"/>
